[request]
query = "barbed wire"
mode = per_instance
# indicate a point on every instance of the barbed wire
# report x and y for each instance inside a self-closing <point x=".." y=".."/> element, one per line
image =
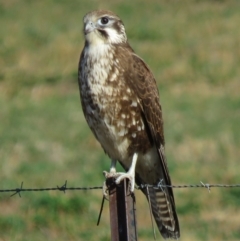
<point x="63" y="188"/>
<point x="160" y="185"/>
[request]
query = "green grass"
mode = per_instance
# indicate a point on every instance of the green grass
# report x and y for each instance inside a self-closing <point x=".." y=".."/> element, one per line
<point x="193" y="50"/>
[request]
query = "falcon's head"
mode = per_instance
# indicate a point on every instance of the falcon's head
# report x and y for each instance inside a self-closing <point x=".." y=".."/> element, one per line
<point x="105" y="27"/>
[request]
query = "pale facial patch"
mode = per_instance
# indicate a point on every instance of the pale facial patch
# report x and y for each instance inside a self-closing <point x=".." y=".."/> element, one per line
<point x="114" y="37"/>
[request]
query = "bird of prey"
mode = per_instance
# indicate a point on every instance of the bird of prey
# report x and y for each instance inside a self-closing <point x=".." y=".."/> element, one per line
<point x="120" y="101"/>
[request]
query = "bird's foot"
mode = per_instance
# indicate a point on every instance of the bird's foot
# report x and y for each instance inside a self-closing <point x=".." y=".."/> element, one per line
<point x="118" y="176"/>
<point x="130" y="176"/>
<point x="111" y="174"/>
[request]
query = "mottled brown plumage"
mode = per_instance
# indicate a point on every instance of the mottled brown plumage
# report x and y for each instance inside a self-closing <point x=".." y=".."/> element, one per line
<point x="120" y="102"/>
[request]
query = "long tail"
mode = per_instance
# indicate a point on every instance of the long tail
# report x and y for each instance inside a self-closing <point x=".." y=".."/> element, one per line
<point x="163" y="210"/>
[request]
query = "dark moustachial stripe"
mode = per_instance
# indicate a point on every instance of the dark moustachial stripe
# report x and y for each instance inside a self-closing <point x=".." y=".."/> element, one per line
<point x="103" y="33"/>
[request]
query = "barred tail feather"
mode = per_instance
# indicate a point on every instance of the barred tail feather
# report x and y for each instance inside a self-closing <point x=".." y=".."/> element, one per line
<point x="163" y="210"/>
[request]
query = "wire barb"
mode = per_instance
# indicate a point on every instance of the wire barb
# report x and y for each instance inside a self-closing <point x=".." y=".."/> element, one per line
<point x="206" y="185"/>
<point x="18" y="190"/>
<point x="161" y="185"/>
<point x="63" y="188"/>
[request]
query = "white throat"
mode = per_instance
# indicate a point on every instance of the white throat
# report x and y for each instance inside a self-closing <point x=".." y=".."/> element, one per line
<point x="93" y="38"/>
<point x="98" y="58"/>
<point x="99" y="53"/>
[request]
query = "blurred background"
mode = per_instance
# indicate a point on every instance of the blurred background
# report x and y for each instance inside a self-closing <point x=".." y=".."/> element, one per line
<point x="193" y="49"/>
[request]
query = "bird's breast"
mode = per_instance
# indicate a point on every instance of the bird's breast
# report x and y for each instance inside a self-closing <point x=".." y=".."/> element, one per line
<point x="111" y="108"/>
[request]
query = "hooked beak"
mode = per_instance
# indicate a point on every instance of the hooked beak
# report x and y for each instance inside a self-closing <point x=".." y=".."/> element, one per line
<point x="89" y="27"/>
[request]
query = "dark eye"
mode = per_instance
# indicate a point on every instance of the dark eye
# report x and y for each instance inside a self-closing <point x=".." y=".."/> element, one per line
<point x="104" y="20"/>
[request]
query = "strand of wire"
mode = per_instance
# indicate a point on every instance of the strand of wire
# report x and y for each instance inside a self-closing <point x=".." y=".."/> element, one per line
<point x="160" y="185"/>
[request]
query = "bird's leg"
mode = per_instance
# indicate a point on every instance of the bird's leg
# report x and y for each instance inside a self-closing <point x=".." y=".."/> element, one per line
<point x="113" y="167"/>
<point x="112" y="171"/>
<point x="130" y="174"/>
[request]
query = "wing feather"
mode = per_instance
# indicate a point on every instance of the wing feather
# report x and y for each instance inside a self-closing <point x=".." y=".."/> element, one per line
<point x="144" y="85"/>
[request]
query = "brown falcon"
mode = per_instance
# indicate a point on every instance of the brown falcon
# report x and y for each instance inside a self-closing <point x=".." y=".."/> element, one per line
<point x="120" y="102"/>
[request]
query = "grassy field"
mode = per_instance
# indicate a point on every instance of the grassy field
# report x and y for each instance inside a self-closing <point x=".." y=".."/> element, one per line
<point x="193" y="48"/>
